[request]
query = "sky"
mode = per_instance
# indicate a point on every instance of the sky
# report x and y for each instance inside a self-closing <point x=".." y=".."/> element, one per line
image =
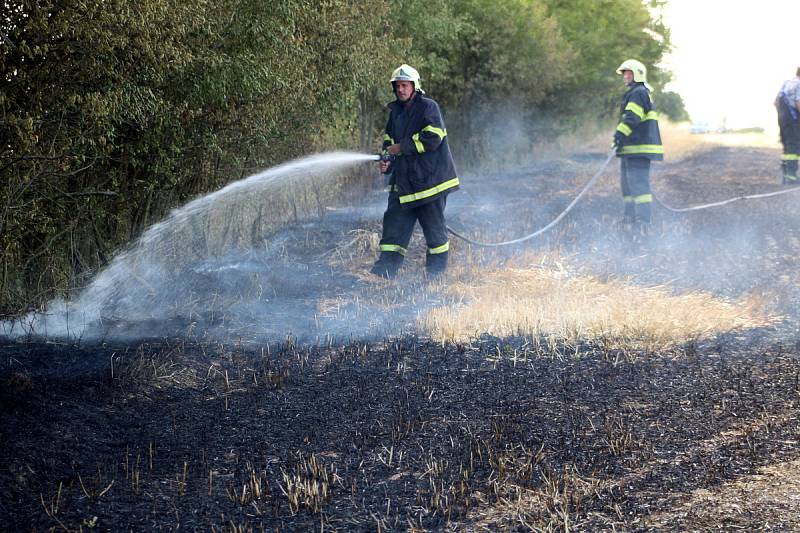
<point x="731" y="56"/>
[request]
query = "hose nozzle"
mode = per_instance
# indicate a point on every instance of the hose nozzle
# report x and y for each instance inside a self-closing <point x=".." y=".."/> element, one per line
<point x="384" y="156"/>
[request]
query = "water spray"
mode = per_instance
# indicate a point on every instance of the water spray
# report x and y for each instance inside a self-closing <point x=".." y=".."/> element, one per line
<point x="143" y="285"/>
<point x="118" y="287"/>
<point x="384" y="156"/>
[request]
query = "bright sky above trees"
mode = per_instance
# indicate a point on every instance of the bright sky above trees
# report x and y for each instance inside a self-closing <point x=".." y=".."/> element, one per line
<point x="730" y="57"/>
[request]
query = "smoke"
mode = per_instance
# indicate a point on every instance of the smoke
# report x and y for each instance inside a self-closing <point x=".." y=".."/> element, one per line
<point x="275" y="256"/>
<point x="236" y="263"/>
<point x="739" y="252"/>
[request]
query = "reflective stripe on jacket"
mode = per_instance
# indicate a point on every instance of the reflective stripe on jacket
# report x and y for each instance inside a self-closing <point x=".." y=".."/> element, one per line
<point x="424" y="169"/>
<point x="639" y="125"/>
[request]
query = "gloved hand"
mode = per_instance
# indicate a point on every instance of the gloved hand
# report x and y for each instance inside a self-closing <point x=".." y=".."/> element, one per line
<point x="393" y="149"/>
<point x="385" y="161"/>
<point x="619" y="138"/>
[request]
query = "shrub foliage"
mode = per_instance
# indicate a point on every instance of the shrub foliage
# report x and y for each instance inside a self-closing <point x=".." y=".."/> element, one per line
<point x="113" y="112"/>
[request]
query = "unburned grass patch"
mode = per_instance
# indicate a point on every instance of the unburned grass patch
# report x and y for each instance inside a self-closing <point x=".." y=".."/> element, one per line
<point x="537" y="302"/>
<point x="679" y="142"/>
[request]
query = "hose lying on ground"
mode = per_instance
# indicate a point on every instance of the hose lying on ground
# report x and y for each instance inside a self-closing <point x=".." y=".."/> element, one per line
<point x="548" y="226"/>
<point x="592" y="182"/>
<point x="722" y="202"/>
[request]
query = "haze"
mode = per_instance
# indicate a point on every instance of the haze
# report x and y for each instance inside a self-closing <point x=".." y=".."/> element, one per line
<point x="730" y="58"/>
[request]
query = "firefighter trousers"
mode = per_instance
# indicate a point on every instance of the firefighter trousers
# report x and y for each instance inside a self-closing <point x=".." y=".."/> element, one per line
<point x="398" y="225"/>
<point x="790" y="138"/>
<point x="636" y="194"/>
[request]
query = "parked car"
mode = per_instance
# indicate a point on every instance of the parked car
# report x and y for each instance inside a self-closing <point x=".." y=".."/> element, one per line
<point x="701" y="127"/>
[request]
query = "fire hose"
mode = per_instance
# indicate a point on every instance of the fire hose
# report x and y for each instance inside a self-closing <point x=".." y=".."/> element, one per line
<point x="386" y="157"/>
<point x="548" y="226"/>
<point x="722" y="202"/>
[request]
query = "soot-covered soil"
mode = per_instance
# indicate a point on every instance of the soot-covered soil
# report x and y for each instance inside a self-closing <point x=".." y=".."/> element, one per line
<point x="408" y="434"/>
<point x="401" y="435"/>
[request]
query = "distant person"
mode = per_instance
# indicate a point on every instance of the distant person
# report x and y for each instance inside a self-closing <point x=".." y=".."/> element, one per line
<point x="638" y="141"/>
<point x="420" y="176"/>
<point x="788" y="104"/>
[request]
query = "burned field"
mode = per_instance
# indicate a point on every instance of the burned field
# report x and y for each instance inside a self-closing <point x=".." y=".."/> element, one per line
<point x="401" y="435"/>
<point x="513" y="433"/>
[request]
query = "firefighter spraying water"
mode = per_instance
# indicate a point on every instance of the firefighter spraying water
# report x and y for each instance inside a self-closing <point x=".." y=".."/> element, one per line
<point x="420" y="173"/>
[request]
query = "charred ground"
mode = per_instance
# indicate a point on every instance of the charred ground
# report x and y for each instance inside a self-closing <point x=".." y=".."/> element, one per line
<point x="407" y="434"/>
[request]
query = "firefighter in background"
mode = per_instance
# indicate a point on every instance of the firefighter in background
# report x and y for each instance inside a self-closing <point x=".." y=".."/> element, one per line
<point x="421" y="173"/>
<point x="788" y="104"/>
<point x="638" y="142"/>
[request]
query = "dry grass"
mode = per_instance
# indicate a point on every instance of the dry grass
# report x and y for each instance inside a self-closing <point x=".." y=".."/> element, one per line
<point x="679" y="143"/>
<point x="541" y="296"/>
<point x="549" y="300"/>
<point x="518" y="301"/>
<point x="760" y="140"/>
<point x="355" y="255"/>
<point x="554" y="303"/>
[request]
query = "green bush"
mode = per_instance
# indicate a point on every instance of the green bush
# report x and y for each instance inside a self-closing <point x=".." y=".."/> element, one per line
<point x="115" y="112"/>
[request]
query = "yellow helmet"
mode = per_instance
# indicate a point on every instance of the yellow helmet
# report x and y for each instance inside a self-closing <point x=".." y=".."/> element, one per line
<point x="407" y="73"/>
<point x="638" y="69"/>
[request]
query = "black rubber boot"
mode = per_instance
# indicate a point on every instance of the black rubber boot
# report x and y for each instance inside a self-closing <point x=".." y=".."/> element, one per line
<point x="387" y="265"/>
<point x="644" y="214"/>
<point x="790" y="173"/>
<point x="629" y="214"/>
<point x="436" y="264"/>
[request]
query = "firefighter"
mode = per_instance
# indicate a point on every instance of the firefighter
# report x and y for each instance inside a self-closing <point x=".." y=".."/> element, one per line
<point x="788" y="105"/>
<point x="421" y="173"/>
<point x="638" y="142"/>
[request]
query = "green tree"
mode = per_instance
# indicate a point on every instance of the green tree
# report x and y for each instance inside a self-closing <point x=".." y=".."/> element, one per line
<point x="605" y="33"/>
<point x="115" y="112"/>
<point x="671" y="104"/>
<point x="486" y="64"/>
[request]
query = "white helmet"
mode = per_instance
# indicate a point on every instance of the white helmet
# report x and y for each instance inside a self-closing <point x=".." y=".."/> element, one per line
<point x="406" y="73"/>
<point x="638" y="69"/>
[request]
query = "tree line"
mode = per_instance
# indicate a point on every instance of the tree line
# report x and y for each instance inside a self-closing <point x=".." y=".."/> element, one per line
<point x="113" y="112"/>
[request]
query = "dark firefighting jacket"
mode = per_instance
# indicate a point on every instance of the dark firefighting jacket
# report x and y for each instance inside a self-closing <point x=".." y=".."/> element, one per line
<point x="786" y="99"/>
<point x="424" y="169"/>
<point x="639" y="125"/>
